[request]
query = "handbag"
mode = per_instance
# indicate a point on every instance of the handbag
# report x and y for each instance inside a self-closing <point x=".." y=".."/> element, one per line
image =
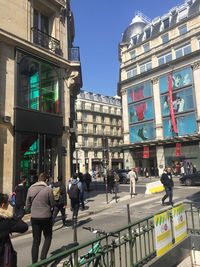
<point x="10" y="255"/>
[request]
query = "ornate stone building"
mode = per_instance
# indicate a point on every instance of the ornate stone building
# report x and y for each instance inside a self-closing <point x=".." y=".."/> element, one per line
<point x="99" y="132"/>
<point x="40" y="76"/>
<point x="160" y="88"/>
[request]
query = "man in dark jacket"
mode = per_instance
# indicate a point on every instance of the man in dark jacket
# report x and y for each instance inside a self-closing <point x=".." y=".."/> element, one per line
<point x="74" y="191"/>
<point x="61" y="201"/>
<point x="166" y="180"/>
<point x="40" y="200"/>
<point x="20" y="199"/>
<point x="8" y="225"/>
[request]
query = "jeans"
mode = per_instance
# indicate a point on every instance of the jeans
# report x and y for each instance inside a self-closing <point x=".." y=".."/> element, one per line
<point x="40" y="226"/>
<point x="58" y="208"/>
<point x="19" y="211"/>
<point x="82" y="200"/>
<point x="169" y="193"/>
<point x="75" y="208"/>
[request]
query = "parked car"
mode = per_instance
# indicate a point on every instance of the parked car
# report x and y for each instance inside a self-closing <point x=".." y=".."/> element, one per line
<point x="123" y="176"/>
<point x="190" y="179"/>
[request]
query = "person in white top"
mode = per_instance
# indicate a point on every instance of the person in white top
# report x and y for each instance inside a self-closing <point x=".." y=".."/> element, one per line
<point x="132" y="175"/>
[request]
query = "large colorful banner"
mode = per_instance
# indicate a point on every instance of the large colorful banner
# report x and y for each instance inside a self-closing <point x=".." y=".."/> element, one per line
<point x="179" y="223"/>
<point x="163" y="233"/>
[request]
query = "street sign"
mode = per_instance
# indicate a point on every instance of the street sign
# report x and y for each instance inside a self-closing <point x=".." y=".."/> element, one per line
<point x="79" y="154"/>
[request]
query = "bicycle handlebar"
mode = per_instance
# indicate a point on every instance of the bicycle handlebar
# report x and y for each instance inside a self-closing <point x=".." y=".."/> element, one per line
<point x="98" y="231"/>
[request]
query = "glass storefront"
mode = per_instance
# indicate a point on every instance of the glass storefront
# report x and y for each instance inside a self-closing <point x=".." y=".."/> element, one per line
<point x="37" y="134"/>
<point x="38" y="85"/>
<point x="36" y="153"/>
<point x="190" y="154"/>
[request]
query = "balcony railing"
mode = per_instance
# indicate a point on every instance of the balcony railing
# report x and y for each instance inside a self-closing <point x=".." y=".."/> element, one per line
<point x="45" y="40"/>
<point x="74" y="54"/>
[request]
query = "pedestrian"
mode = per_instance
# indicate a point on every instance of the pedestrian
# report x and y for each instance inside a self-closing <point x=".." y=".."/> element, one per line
<point x="81" y="179"/>
<point x="132" y="175"/>
<point x="51" y="182"/>
<point x="20" y="198"/>
<point x="40" y="201"/>
<point x="8" y="225"/>
<point x="74" y="190"/>
<point x="60" y="198"/>
<point x="194" y="169"/>
<point x="182" y="169"/>
<point x="116" y="181"/>
<point x="110" y="181"/>
<point x="167" y="181"/>
<point x="88" y="180"/>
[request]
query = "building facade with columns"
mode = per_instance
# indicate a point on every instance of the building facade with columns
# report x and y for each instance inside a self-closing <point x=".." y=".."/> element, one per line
<point x="99" y="132"/>
<point x="40" y="76"/>
<point x="160" y="88"/>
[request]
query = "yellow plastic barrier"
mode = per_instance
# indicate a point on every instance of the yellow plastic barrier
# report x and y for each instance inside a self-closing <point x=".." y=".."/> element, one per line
<point x="154" y="187"/>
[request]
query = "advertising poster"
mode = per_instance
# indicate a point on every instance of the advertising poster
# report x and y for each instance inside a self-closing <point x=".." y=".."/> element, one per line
<point x="180" y="79"/>
<point x="163" y="233"/>
<point x="179" y="223"/>
<point x="142" y="132"/>
<point x="139" y="92"/>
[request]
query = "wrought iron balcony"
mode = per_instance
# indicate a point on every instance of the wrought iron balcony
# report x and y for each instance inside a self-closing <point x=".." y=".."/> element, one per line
<point x="74" y="54"/>
<point x="45" y="40"/>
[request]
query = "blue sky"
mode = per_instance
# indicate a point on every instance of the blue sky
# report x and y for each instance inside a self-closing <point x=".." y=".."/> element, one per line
<point x="99" y="25"/>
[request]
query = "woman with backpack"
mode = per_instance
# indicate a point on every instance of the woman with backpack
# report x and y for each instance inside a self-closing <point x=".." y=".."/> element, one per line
<point x="8" y="225"/>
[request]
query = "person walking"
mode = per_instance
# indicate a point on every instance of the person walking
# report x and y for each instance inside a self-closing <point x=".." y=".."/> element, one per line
<point x="74" y="190"/>
<point x="132" y="175"/>
<point x="167" y="181"/>
<point x="60" y="198"/>
<point x="20" y="198"/>
<point x="110" y="181"/>
<point x="82" y="181"/>
<point x="40" y="201"/>
<point x="88" y="180"/>
<point x="8" y="225"/>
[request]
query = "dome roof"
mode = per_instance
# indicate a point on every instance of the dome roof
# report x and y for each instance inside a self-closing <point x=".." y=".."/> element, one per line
<point x="136" y="27"/>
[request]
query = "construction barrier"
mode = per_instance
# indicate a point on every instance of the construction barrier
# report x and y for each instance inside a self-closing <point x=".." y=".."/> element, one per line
<point x="154" y="187"/>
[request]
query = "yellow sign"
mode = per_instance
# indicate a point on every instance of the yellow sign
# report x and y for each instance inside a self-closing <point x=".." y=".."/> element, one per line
<point x="179" y="223"/>
<point x="163" y="233"/>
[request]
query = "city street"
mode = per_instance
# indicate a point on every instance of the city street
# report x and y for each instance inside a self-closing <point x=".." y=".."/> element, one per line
<point x="108" y="219"/>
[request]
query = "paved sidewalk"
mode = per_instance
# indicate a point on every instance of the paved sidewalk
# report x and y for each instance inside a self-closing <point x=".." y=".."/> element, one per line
<point x="96" y="202"/>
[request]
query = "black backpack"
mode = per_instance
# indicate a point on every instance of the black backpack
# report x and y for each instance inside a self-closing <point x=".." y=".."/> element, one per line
<point x="74" y="191"/>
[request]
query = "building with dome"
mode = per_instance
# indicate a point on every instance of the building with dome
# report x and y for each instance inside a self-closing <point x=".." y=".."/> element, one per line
<point x="159" y="84"/>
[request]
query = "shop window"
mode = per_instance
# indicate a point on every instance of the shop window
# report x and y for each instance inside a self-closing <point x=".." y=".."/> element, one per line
<point x="142" y="132"/>
<point x="139" y="92"/>
<point x="182" y="102"/>
<point x="186" y="125"/>
<point x="141" y="111"/>
<point x="180" y="79"/>
<point x="38" y="85"/>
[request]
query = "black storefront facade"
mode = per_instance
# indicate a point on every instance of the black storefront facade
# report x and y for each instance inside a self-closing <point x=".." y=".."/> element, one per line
<point x="38" y="120"/>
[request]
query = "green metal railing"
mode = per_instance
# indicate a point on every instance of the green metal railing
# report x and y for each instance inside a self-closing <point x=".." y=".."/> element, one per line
<point x="130" y="246"/>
